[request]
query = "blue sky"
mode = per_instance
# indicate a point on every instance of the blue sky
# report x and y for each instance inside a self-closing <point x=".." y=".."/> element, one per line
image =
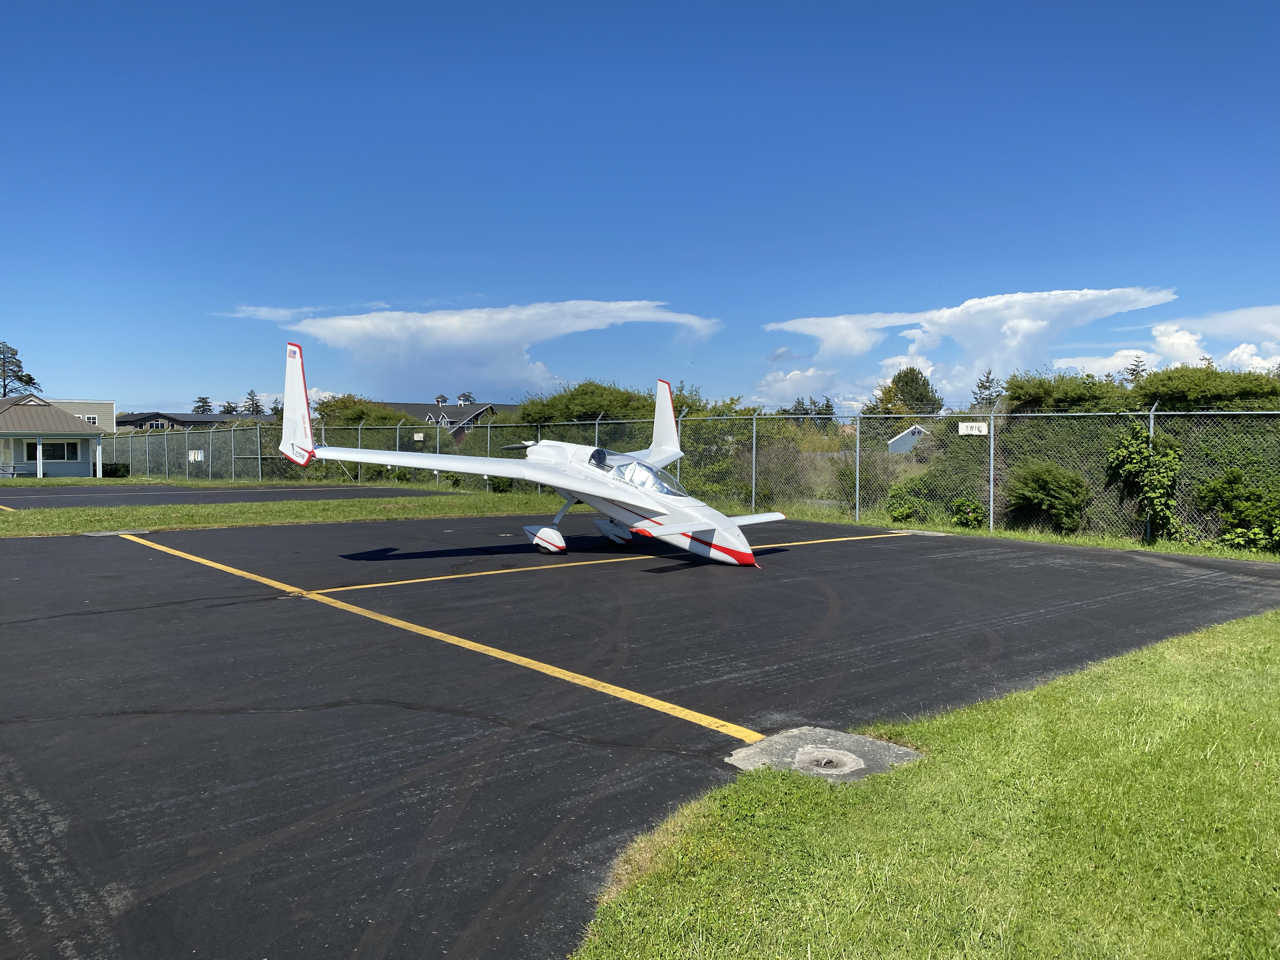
<point x="764" y="200"/>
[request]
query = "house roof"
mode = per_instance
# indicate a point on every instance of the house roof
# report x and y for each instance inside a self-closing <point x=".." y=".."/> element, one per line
<point x="127" y="419"/>
<point x="29" y="415"/>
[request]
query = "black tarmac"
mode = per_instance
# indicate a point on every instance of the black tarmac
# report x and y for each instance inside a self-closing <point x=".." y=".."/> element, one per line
<point x="145" y="495"/>
<point x="193" y="764"/>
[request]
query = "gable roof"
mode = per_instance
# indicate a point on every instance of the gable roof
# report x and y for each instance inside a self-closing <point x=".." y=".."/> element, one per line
<point x="29" y="415"/>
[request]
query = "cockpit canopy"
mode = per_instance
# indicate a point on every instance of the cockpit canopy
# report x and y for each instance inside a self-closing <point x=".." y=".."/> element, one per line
<point x="628" y="469"/>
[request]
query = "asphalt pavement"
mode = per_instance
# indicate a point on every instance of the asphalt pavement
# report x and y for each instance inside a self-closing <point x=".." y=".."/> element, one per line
<point x="144" y="495"/>
<point x="196" y="764"/>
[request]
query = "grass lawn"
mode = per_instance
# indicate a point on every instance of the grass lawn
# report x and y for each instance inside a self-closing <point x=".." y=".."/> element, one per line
<point x="68" y="520"/>
<point x="1130" y="810"/>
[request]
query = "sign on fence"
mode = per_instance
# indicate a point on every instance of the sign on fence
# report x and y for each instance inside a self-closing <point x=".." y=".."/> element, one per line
<point x="977" y="429"/>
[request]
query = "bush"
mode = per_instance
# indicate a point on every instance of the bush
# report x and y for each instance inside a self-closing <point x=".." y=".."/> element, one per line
<point x="904" y="506"/>
<point x="968" y="513"/>
<point x="1250" y="516"/>
<point x="116" y="471"/>
<point x="451" y="480"/>
<point x="500" y="484"/>
<point x="1040" y="490"/>
<point x="1146" y="471"/>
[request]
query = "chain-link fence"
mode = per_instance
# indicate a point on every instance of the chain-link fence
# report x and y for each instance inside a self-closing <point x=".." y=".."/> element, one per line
<point x="974" y="469"/>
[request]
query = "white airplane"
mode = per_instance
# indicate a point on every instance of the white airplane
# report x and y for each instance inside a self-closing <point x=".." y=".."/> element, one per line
<point x="631" y="489"/>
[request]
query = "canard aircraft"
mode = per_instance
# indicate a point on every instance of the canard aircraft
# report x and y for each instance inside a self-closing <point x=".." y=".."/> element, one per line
<point x="635" y="494"/>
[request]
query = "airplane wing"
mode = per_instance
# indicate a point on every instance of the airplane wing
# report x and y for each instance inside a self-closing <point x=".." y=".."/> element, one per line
<point x="545" y="474"/>
<point x="670" y="529"/>
<point x="758" y="518"/>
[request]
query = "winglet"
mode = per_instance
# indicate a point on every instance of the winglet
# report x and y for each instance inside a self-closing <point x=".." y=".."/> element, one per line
<point x="666" y="438"/>
<point x="295" y="435"/>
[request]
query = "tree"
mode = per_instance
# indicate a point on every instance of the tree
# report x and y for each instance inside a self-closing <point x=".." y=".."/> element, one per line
<point x="277" y="409"/>
<point x="987" y="391"/>
<point x="1135" y="371"/>
<point x="202" y="405"/>
<point x="809" y="410"/>
<point x="13" y="379"/>
<point x="909" y="391"/>
<point x="229" y="407"/>
<point x="252" y="405"/>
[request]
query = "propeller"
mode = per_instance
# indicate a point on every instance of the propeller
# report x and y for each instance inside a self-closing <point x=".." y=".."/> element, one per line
<point x="522" y="445"/>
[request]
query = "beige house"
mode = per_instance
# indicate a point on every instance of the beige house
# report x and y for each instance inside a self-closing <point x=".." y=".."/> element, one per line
<point x="96" y="413"/>
<point x="39" y="439"/>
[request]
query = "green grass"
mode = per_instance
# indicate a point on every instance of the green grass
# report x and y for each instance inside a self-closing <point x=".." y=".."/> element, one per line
<point x="1130" y="810"/>
<point x="68" y="520"/>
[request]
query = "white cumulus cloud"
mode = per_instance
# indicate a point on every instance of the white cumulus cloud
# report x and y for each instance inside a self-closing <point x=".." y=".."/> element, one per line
<point x="487" y="343"/>
<point x="1099" y="366"/>
<point x="1005" y="332"/>
<point x="1176" y="345"/>
<point x="1245" y="357"/>
<point x="782" y="388"/>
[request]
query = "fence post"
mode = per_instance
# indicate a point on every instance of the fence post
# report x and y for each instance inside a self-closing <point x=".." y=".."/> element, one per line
<point x="186" y="443"/>
<point x="233" y="453"/>
<point x="398" y="426"/>
<point x="598" y="431"/>
<point x="991" y="472"/>
<point x="146" y="449"/>
<point x="1151" y="439"/>
<point x="166" y="453"/>
<point x="753" y="463"/>
<point x="259" y="451"/>
<point x="488" y="444"/>
<point x="857" y="470"/>
<point x="539" y="440"/>
<point x="360" y="446"/>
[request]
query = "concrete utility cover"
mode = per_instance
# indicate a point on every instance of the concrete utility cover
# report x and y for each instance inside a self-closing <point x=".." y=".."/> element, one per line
<point x="828" y="754"/>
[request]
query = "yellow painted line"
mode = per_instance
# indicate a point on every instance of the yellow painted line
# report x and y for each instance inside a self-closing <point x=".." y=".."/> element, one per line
<point x="217" y="566"/>
<point x="10" y="509"/>
<point x="483" y="573"/>
<point x="801" y="543"/>
<point x="577" y="563"/>
<point x="661" y="706"/>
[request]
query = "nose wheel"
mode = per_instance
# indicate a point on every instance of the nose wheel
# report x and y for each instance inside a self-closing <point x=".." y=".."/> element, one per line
<point x="548" y="539"/>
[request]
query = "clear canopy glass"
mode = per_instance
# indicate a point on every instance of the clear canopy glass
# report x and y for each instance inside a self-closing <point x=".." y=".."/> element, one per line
<point x="646" y="476"/>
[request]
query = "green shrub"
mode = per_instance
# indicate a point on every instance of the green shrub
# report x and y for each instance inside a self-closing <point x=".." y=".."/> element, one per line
<point x="903" y="506"/>
<point x="1146" y="471"/>
<point x="1250" y="515"/>
<point x="1040" y="490"/>
<point x="451" y="480"/>
<point x="968" y="513"/>
<point x="500" y="484"/>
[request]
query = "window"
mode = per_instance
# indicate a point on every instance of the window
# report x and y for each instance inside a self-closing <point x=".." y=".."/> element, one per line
<point x="91" y="418"/>
<point x="156" y="424"/>
<point x="69" y="450"/>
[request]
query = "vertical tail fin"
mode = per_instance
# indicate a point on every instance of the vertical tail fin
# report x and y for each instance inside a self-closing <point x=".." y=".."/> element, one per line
<point x="295" y="437"/>
<point x="666" y="438"/>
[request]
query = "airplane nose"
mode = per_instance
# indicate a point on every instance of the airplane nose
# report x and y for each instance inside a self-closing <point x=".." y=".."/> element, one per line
<point x="736" y="546"/>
